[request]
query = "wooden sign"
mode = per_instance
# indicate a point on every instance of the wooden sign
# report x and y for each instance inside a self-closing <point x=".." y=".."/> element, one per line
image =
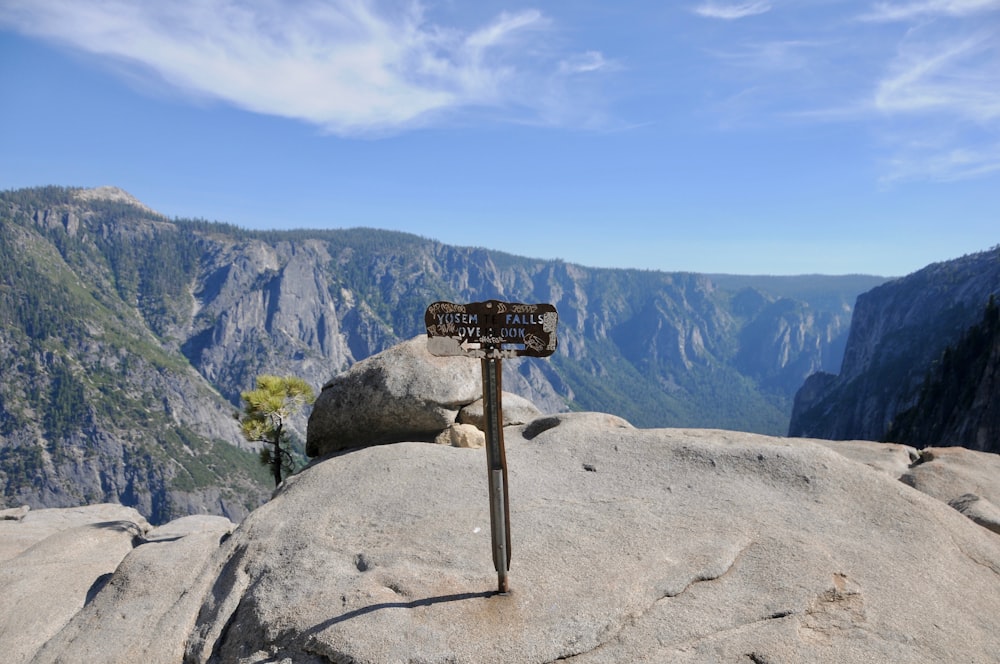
<point x="491" y="329"/>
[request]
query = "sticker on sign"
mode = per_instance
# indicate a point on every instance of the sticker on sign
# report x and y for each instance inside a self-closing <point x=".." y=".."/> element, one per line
<point x="491" y="329"/>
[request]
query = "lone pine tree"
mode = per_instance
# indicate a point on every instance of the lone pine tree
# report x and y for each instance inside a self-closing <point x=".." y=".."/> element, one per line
<point x="265" y="413"/>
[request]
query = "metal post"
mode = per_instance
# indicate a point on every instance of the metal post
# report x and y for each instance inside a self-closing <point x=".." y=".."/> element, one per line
<point x="496" y="459"/>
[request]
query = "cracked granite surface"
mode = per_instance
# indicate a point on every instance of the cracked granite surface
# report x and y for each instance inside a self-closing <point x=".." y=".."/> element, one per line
<point x="628" y="545"/>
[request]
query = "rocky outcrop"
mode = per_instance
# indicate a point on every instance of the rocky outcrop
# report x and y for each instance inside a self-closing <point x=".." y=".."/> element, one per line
<point x="403" y="393"/>
<point x="628" y="545"/>
<point x="149" y="605"/>
<point x="898" y="331"/>
<point x="54" y="562"/>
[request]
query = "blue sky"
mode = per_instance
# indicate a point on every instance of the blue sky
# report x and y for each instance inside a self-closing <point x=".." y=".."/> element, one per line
<point x="750" y="137"/>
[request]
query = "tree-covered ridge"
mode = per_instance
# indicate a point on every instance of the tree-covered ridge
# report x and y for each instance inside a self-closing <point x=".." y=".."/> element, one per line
<point x="959" y="402"/>
<point x="89" y="404"/>
<point x="132" y="336"/>
<point x="898" y="330"/>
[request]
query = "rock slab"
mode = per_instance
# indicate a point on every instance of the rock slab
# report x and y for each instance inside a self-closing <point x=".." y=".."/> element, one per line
<point x="629" y="545"/>
<point x="57" y="561"/>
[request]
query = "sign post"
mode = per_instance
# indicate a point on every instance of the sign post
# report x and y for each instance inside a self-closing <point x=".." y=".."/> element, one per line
<point x="491" y="331"/>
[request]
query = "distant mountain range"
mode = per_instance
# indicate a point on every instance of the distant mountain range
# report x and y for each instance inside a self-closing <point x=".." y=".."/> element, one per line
<point x="127" y="338"/>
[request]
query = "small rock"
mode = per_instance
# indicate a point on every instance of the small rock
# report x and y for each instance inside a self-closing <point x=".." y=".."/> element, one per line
<point x="515" y="410"/>
<point x="461" y="435"/>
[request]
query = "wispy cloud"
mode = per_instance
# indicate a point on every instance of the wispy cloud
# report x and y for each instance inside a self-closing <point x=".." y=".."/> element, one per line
<point x="771" y="56"/>
<point x="349" y="66"/>
<point x="959" y="76"/>
<point x="905" y="71"/>
<point x="941" y="159"/>
<point x="731" y="11"/>
<point x="945" y="86"/>
<point x="907" y="11"/>
<point x="585" y="62"/>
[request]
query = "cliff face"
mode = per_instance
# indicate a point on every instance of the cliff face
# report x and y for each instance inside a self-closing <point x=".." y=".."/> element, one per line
<point x="899" y="330"/>
<point x="95" y="404"/>
<point x="128" y="337"/>
<point x="959" y="401"/>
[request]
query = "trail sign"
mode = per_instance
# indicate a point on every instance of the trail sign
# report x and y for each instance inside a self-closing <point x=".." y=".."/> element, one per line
<point x="491" y="329"/>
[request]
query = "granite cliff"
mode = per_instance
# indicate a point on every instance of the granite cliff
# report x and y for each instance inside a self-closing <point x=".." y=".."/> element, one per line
<point x="903" y="334"/>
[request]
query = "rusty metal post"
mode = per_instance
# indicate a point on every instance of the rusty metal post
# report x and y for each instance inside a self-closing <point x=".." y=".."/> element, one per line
<point x="496" y="459"/>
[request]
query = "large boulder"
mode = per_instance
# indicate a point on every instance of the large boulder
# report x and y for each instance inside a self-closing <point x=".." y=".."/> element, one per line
<point x="403" y="393"/>
<point x="628" y="546"/>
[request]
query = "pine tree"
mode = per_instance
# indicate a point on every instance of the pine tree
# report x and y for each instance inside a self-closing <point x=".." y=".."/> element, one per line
<point x="265" y="413"/>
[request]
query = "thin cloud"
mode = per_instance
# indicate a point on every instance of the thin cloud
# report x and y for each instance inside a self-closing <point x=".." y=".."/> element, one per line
<point x="908" y="11"/>
<point x="771" y="56"/>
<point x="941" y="161"/>
<point x="960" y="77"/>
<point x="913" y="70"/>
<point x="585" y="62"/>
<point x="730" y="11"/>
<point x="349" y="66"/>
<point x="946" y="87"/>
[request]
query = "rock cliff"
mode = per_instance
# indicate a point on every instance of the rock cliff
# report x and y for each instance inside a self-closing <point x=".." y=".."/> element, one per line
<point x="128" y="337"/>
<point x="959" y="401"/>
<point x="898" y="332"/>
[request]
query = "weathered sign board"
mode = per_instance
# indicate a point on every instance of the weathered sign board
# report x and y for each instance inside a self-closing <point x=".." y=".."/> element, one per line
<point x="491" y="329"/>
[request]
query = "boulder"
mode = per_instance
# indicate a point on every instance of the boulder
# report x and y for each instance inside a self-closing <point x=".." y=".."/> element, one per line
<point x="514" y="409"/>
<point x="403" y="393"/>
<point x="147" y="608"/>
<point x="627" y="545"/>
<point x="949" y="472"/>
<point x="62" y="558"/>
<point x="21" y="527"/>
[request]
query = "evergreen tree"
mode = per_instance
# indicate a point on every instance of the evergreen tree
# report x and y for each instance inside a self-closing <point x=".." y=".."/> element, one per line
<point x="265" y="412"/>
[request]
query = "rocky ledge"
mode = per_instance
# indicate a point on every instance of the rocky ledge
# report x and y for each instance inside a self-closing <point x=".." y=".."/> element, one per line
<point x="629" y="545"/>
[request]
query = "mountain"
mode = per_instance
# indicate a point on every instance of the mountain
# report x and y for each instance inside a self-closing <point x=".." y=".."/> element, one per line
<point x="127" y="338"/>
<point x="959" y="400"/>
<point x="97" y="402"/>
<point x="896" y="351"/>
